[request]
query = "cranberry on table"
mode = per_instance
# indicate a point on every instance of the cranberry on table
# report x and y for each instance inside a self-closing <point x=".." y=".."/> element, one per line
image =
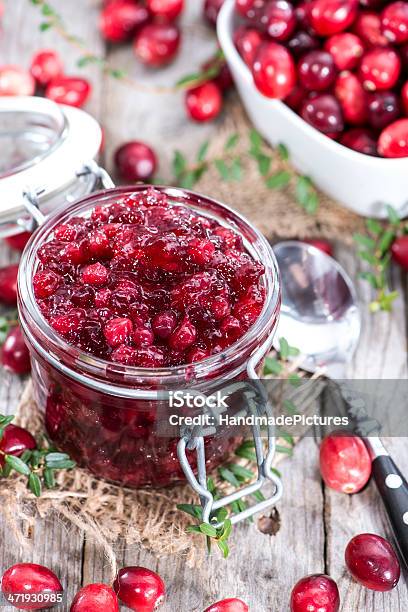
<point x="211" y="10"/>
<point x="95" y="598"/>
<point x="368" y="28"/>
<point x="19" y="241"/>
<point x="317" y="70"/>
<point x="135" y="161"/>
<point x="30" y="578"/>
<point x="346" y="49"/>
<point x="119" y="20"/>
<point x="15" y="81"/>
<point x="15" y="441"/>
<point x="204" y="102"/>
<point x="399" y="250"/>
<point x="393" y="140"/>
<point x="157" y="44"/>
<point x="321" y="244"/>
<point x="361" y="140"/>
<point x="352" y="97"/>
<point x="45" y="66"/>
<point x="8" y="285"/>
<point x="315" y="593"/>
<point x="73" y="91"/>
<point x="324" y="113"/>
<point x="380" y="69"/>
<point x="15" y="355"/>
<point x="165" y="9"/>
<point x="141" y="589"/>
<point x="329" y="17"/>
<point x="228" y="605"/>
<point x="372" y="562"/>
<point x="247" y="41"/>
<point x="345" y="463"/>
<point x="274" y="70"/>
<point x="383" y="108"/>
<point x="394" y="22"/>
<point x="279" y="19"/>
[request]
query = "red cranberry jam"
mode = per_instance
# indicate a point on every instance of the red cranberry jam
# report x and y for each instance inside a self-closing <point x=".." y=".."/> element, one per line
<point x="147" y="283"/>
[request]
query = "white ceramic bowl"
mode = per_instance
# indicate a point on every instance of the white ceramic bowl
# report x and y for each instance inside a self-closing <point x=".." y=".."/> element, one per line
<point x="360" y="182"/>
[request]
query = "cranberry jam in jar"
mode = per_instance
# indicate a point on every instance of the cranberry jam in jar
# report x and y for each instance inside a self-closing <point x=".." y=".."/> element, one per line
<point x="130" y="292"/>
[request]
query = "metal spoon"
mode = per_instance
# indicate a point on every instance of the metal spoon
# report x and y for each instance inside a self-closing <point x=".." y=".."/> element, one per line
<point x="320" y="316"/>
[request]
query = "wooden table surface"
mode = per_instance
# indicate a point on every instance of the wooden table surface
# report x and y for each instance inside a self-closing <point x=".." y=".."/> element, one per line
<point x="315" y="522"/>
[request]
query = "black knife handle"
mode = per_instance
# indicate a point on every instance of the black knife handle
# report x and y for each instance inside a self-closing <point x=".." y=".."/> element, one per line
<point x="394" y="492"/>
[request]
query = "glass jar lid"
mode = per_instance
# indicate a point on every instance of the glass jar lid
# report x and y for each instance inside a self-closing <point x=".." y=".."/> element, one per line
<point x="44" y="148"/>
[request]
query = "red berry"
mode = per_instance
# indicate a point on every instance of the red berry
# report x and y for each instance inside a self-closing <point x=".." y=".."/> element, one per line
<point x="201" y="251"/>
<point x="279" y="19"/>
<point x="404" y="97"/>
<point x="29" y="578"/>
<point x="120" y="20"/>
<point x="45" y="283"/>
<point x="372" y="562"/>
<point x="247" y="41"/>
<point x="204" y="102"/>
<point x="274" y="70"/>
<point x="393" y="140"/>
<point x="224" y="78"/>
<point x="383" y="108"/>
<point x="142" y="336"/>
<point x="244" y="7"/>
<point x="165" y="9"/>
<point x="399" y="250"/>
<point x="73" y="91"/>
<point x="346" y="49"/>
<point x="157" y="43"/>
<point x="322" y="245"/>
<point x="361" y="140"/>
<point x="45" y="66"/>
<point x="324" y="113"/>
<point x="228" y="605"/>
<point x="15" y="441"/>
<point x="317" y="71"/>
<point x="117" y="331"/>
<point x="135" y="161"/>
<point x="329" y="17"/>
<point x="315" y="593"/>
<point x="380" y="69"/>
<point x="8" y="285"/>
<point x="19" y="241"/>
<point x="95" y="598"/>
<point x="394" y="22"/>
<point x="96" y="274"/>
<point x="211" y="10"/>
<point x="345" y="463"/>
<point x="183" y="336"/>
<point x="352" y="97"/>
<point x="139" y="588"/>
<point x="296" y="97"/>
<point x="163" y="324"/>
<point x="302" y="42"/>
<point x="15" y="81"/>
<point x="368" y="28"/>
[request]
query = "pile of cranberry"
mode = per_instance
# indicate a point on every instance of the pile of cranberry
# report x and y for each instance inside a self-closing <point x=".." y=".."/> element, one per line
<point x="145" y="282"/>
<point x="342" y="65"/>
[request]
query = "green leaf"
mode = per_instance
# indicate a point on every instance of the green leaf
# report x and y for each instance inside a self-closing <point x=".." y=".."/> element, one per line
<point x="283" y="348"/>
<point x="116" y="73"/>
<point x="374" y="226"/>
<point x="202" y="151"/>
<point x="228" y="476"/>
<point x="56" y="457"/>
<point x="221" y="515"/>
<point x="224" y="548"/>
<point x="226" y="530"/>
<point x="284" y="450"/>
<point x="193" y="510"/>
<point x="49" y="478"/>
<point x="255" y="139"/>
<point x="312" y="203"/>
<point x="264" y="164"/>
<point x="370" y="278"/>
<point x="45" y="26"/>
<point x="26" y="456"/>
<point x="188" y="180"/>
<point x="246" y="453"/>
<point x="368" y="257"/>
<point x="294" y="351"/>
<point x="189" y="79"/>
<point x="17" y="464"/>
<point x="222" y="168"/>
<point x="259" y="496"/>
<point x="231" y="142"/>
<point x="179" y="163"/>
<point x="194" y="529"/>
<point x="272" y="366"/>
<point x="238" y="506"/>
<point x="287" y="437"/>
<point x="364" y="241"/>
<point x="61" y="465"/>
<point x="208" y="530"/>
<point x="211" y="485"/>
<point x="278" y="180"/>
<point x="392" y="215"/>
<point x="34" y="484"/>
<point x="6" y="420"/>
<point x="240" y="472"/>
<point x="290" y="407"/>
<point x="294" y="379"/>
<point x="283" y="152"/>
<point x="236" y="170"/>
<point x="386" y="241"/>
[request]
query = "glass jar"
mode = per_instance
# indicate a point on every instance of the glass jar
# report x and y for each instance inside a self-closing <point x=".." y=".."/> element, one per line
<point x="105" y="414"/>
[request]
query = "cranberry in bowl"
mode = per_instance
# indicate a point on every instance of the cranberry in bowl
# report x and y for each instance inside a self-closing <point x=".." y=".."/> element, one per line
<point x="126" y="293"/>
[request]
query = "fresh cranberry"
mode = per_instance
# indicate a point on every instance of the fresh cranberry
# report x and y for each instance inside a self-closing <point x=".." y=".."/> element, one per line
<point x="399" y="250"/>
<point x="315" y="593"/>
<point x="247" y="41"/>
<point x="120" y="20"/>
<point x="45" y="283"/>
<point x="403" y="51"/>
<point x="15" y="441"/>
<point x="244" y="7"/>
<point x="157" y="44"/>
<point x="211" y="10"/>
<point x="204" y="102"/>
<point x="45" y="66"/>
<point x="73" y="91"/>
<point x="346" y="49"/>
<point x="317" y="71"/>
<point x="329" y="17"/>
<point x="274" y="70"/>
<point x="96" y="274"/>
<point x="383" y="108"/>
<point x="352" y="98"/>
<point x="372" y="562"/>
<point x="324" y="113"/>
<point x="302" y="42"/>
<point x="380" y="69"/>
<point x="394" y="22"/>
<point x="8" y="285"/>
<point x="322" y="245"/>
<point x="345" y="463"/>
<point x="296" y="97"/>
<point x="135" y="161"/>
<point x="228" y="605"/>
<point x="368" y="28"/>
<point x="393" y="140"/>
<point x="15" y="81"/>
<point x="29" y="579"/>
<point x="404" y="97"/>
<point x="95" y="598"/>
<point x="361" y="140"/>
<point x="279" y="19"/>
<point x="165" y="9"/>
<point x="139" y="588"/>
<point x="19" y="241"/>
